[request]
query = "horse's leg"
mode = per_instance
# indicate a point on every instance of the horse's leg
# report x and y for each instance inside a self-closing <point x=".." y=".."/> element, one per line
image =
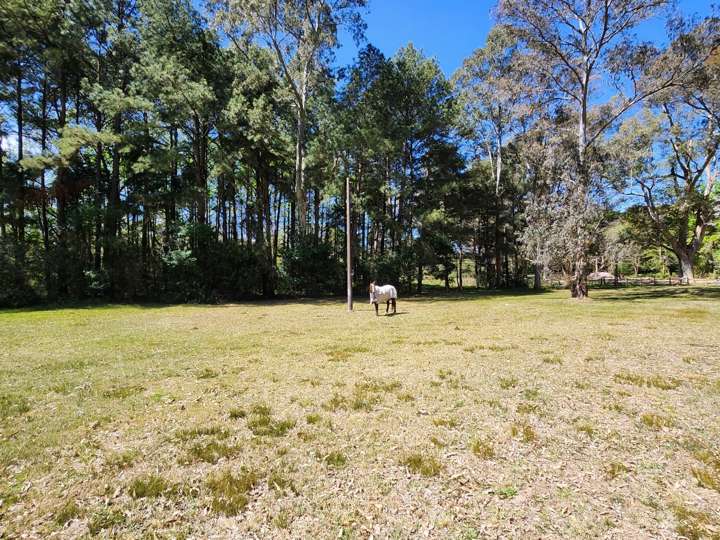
<point x="394" y="305"/>
<point x="376" y="310"/>
<point x="387" y="307"/>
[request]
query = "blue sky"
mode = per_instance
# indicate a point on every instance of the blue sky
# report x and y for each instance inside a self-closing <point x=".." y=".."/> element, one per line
<point x="450" y="30"/>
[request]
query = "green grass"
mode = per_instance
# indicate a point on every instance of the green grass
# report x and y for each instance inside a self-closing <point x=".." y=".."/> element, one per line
<point x="230" y="492"/>
<point x="148" y="486"/>
<point x="422" y="464"/>
<point x="312" y="422"/>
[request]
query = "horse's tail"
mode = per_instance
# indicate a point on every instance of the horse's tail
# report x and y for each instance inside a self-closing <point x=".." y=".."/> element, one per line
<point x="393" y="292"/>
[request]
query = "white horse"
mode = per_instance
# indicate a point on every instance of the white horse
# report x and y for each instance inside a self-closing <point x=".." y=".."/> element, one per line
<point x="383" y="293"/>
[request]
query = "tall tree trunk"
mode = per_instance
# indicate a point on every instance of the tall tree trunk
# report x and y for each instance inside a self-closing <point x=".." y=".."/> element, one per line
<point x="685" y="257"/>
<point x="20" y="200"/>
<point x="348" y="244"/>
<point x="537" y="277"/>
<point x="300" y="195"/>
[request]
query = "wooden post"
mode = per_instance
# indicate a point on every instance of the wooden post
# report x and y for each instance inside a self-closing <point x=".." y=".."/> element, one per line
<point x="348" y="252"/>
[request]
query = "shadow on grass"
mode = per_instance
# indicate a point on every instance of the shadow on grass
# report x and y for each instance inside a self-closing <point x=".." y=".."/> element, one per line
<point x="656" y="292"/>
<point x="431" y="294"/>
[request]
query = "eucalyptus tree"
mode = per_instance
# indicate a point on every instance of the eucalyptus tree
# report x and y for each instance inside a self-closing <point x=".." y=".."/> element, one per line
<point x="302" y="34"/>
<point x="581" y="46"/>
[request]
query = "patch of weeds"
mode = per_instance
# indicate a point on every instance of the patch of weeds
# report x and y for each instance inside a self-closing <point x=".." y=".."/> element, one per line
<point x="280" y="483"/>
<point x="523" y="430"/>
<point x="593" y="358"/>
<point x="553" y="360"/>
<point x="689" y="359"/>
<point x="614" y="406"/>
<point x="121" y="460"/>
<point x="656" y="421"/>
<point x="707" y="478"/>
<point x="615" y="469"/>
<point x="707" y="457"/>
<point x="655" y="381"/>
<point x="694" y="524"/>
<point x="207" y="373"/>
<point x="424" y="465"/>
<point x="67" y="512"/>
<point x="63" y="388"/>
<point x="304" y="436"/>
<point x="527" y="408"/>
<point x="267" y="426"/>
<point x="189" y="434"/>
<point x="583" y="426"/>
<point x="445" y="422"/>
<point x="531" y="393"/>
<point x="339" y="355"/>
<point x="437" y="442"/>
<point x="282" y="520"/>
<point x="210" y="452"/>
<point x="122" y="392"/>
<point x="508" y="382"/>
<point x="313" y="418"/>
<point x="236" y="414"/>
<point x="376" y="385"/>
<point x="363" y="400"/>
<point x="105" y="518"/>
<point x="261" y="410"/>
<point x="333" y="459"/>
<point x="230" y="492"/>
<point x="406" y="397"/>
<point x="483" y="449"/>
<point x="336" y="402"/>
<point x="582" y="385"/>
<point x="13" y="405"/>
<point x="148" y="486"/>
<point x="444" y="374"/>
<point x="507" y="492"/>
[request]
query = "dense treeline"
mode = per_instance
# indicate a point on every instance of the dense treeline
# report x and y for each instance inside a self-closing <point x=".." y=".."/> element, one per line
<point x="150" y="151"/>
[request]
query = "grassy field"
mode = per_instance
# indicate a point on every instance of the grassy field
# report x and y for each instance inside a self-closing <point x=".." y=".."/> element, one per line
<point x="461" y="417"/>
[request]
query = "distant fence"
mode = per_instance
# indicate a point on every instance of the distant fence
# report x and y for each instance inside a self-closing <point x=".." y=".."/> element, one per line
<point x="625" y="282"/>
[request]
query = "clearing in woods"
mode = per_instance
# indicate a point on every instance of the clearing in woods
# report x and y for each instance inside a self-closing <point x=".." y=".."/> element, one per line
<point x="461" y="417"/>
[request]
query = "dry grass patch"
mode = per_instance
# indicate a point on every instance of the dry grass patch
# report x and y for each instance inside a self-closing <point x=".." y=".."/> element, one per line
<point x="371" y="414"/>
<point x="188" y="434"/>
<point x="122" y="392"/>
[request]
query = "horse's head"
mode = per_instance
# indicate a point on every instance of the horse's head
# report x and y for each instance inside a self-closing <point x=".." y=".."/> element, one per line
<point x="371" y="290"/>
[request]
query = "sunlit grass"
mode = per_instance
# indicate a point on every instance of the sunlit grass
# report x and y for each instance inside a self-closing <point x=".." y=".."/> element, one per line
<point x="295" y="418"/>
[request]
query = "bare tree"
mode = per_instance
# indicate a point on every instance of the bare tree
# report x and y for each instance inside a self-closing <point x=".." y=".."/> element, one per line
<point x="578" y="44"/>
